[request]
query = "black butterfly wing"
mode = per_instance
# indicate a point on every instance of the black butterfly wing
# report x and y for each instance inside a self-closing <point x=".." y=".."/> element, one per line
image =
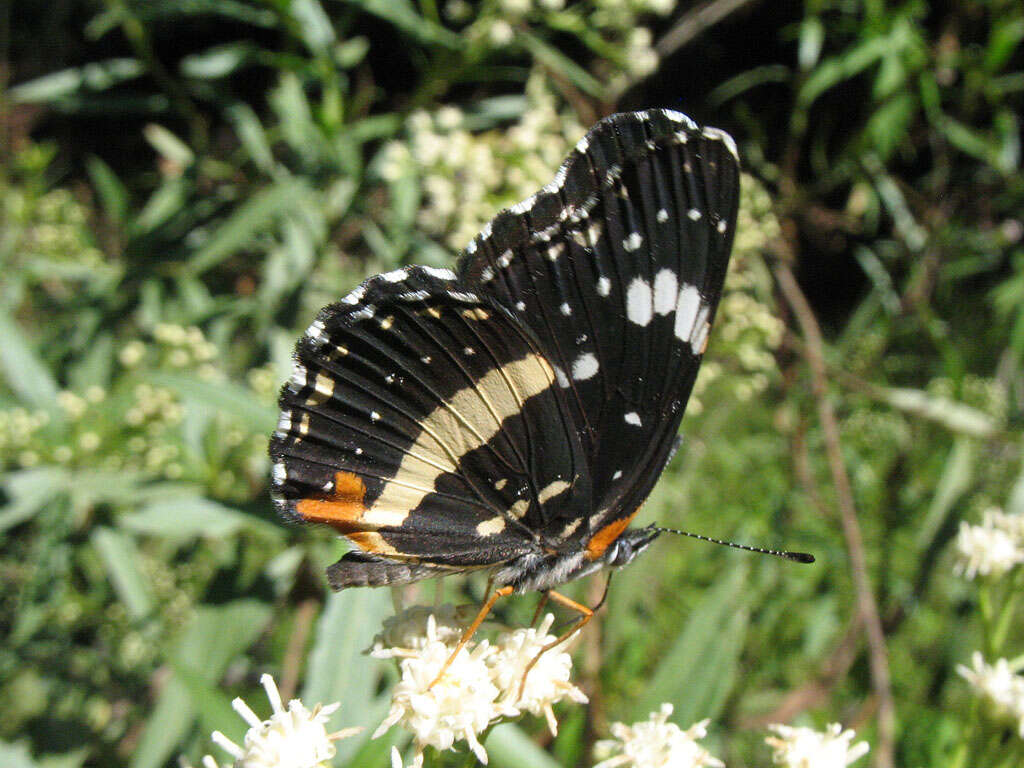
<point x="425" y="425"/>
<point x="617" y="267"/>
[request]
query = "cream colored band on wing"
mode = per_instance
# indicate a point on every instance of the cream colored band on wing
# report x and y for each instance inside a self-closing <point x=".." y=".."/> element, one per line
<point x="467" y="420"/>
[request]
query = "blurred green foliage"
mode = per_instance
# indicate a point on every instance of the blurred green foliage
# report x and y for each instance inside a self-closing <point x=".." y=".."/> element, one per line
<point x="265" y="156"/>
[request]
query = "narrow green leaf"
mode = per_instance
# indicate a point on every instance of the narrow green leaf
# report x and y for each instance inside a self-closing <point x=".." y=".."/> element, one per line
<point x="954" y="482"/>
<point x="254" y="216"/>
<point x="941" y="410"/>
<point x="96" y="76"/>
<point x="509" y="747"/>
<point x="30" y="490"/>
<point x="188" y="517"/>
<point x="25" y="373"/>
<point x="554" y="59"/>
<point x="219" y="61"/>
<point x="700" y="645"/>
<point x="403" y="15"/>
<point x="313" y="24"/>
<point x="166" y="727"/>
<point x="338" y="669"/>
<point x="220" y="397"/>
<point x="120" y="559"/>
<point x="112" y="193"/>
<point x="250" y="132"/>
<point x="217" y="635"/>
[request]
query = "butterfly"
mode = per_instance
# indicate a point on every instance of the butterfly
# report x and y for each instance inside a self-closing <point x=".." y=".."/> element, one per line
<point x="512" y="415"/>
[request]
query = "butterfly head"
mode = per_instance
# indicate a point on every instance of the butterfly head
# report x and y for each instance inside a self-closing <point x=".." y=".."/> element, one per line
<point x="630" y="544"/>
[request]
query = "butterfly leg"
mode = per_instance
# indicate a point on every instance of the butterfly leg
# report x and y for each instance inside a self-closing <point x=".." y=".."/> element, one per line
<point x="471" y="630"/>
<point x="586" y="614"/>
<point x="540" y="607"/>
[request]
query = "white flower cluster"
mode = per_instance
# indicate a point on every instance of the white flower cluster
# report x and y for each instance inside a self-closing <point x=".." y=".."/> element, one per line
<point x="481" y="686"/>
<point x="290" y="738"/>
<point x="993" y="548"/>
<point x="467" y="176"/>
<point x="799" y="747"/>
<point x="999" y="685"/>
<point x="656" y="743"/>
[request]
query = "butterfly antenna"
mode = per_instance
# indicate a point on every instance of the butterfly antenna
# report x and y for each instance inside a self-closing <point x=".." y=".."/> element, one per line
<point x="797" y="557"/>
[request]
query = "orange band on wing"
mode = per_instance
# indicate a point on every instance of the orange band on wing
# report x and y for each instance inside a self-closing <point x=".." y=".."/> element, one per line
<point x="342" y="508"/>
<point x="603" y="539"/>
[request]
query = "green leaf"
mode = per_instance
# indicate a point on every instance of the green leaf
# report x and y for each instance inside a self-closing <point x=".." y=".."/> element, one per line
<point x="509" y="747"/>
<point x="219" y="61"/>
<point x="25" y="373"/>
<point x="403" y="15"/>
<point x="250" y="132"/>
<point x="313" y="24"/>
<point x="168" y="145"/>
<point x="166" y="727"/>
<point x="96" y="76"/>
<point x="220" y="397"/>
<point x="338" y="669"/>
<point x="254" y="216"/>
<point x="219" y="634"/>
<point x="30" y="490"/>
<point x="554" y="59"/>
<point x="697" y="671"/>
<point x="16" y="756"/>
<point x="112" y="193"/>
<point x="188" y="517"/>
<point x="941" y="410"/>
<point x="120" y="559"/>
<point x="954" y="481"/>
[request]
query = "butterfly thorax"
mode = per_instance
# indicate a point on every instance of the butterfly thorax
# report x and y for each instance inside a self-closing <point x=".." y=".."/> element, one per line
<point x="539" y="571"/>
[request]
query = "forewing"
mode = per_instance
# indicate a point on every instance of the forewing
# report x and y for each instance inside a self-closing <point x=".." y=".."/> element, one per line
<point x="617" y="266"/>
<point x="425" y="425"/>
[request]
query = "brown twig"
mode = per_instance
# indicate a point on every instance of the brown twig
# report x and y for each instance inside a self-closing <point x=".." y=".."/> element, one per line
<point x="866" y="606"/>
<point x="695" y="21"/>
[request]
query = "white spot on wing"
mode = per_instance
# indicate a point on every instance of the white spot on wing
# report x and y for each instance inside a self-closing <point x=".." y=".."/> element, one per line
<point x="556" y="250"/>
<point x="355" y="295"/>
<point x="315" y="329"/>
<point x="374" y="416"/>
<point x="662" y="215"/>
<point x="299" y="377"/>
<point x="725" y="138"/>
<point x="280" y="472"/>
<point x="634" y="241"/>
<point x="604" y="286"/>
<point x="722" y="226"/>
<point x="565" y="309"/>
<point x="584" y="367"/>
<point x="686" y="311"/>
<point x="633" y="418"/>
<point x="284" y="423"/>
<point x="520" y="305"/>
<point x="700" y="330"/>
<point x="563" y="380"/>
<point x="639" y="302"/>
<point x="440" y="274"/>
<point x="617" y="475"/>
<point x="665" y="292"/>
<point x="694" y="214"/>
<point x="395" y="275"/>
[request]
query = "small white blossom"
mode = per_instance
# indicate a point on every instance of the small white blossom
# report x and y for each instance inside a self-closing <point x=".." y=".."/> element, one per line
<point x="291" y="738"/>
<point x="462" y="703"/>
<point x="807" y="748"/>
<point x="548" y="680"/>
<point x="999" y="685"/>
<point x="992" y="548"/>
<point x="501" y="33"/>
<point x="657" y="743"/>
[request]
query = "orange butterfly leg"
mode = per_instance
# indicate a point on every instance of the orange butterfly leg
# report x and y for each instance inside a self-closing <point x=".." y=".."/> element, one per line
<point x="586" y="614"/>
<point x="471" y="630"/>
